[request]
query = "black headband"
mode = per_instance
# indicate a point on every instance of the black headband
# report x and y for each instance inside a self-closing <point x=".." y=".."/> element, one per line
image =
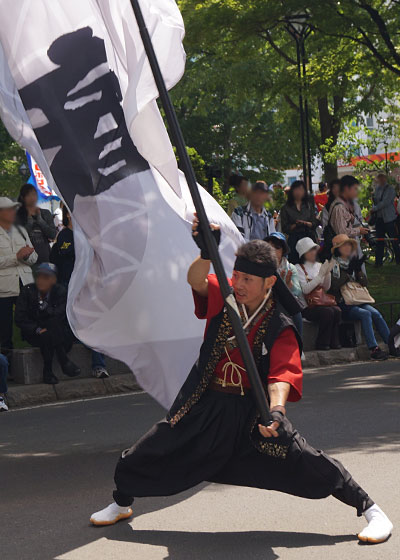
<point x="256" y="269"/>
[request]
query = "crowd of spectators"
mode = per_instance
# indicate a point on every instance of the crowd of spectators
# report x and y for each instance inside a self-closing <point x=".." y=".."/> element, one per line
<point x="36" y="263"/>
<point x="316" y="240"/>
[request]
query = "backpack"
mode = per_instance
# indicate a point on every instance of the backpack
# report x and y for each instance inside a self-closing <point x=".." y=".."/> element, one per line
<point x="329" y="233"/>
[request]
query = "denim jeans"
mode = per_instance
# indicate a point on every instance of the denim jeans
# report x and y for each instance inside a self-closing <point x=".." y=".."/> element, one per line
<point x="97" y="360"/>
<point x="3" y="373"/>
<point x="369" y="316"/>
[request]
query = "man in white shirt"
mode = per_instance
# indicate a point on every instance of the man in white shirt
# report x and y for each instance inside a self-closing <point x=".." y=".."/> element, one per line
<point x="16" y="259"/>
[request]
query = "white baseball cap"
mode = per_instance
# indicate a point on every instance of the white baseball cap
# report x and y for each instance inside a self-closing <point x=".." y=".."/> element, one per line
<point x="304" y="245"/>
<point x="8" y="203"/>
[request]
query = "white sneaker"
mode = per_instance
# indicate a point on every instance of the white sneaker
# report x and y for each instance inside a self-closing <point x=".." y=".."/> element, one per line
<point x="111" y="514"/>
<point x="100" y="372"/>
<point x="379" y="527"/>
<point x="3" y="406"/>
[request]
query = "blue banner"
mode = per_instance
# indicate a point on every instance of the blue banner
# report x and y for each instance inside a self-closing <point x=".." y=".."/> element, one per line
<point x="38" y="180"/>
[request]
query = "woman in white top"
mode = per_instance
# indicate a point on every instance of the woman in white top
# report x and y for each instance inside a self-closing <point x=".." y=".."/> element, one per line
<point x="311" y="275"/>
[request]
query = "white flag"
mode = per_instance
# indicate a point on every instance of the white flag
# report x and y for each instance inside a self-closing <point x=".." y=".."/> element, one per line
<point x="77" y="92"/>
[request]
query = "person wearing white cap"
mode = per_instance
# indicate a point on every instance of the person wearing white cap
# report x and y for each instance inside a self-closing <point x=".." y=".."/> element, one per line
<point x="16" y="259"/>
<point x="315" y="281"/>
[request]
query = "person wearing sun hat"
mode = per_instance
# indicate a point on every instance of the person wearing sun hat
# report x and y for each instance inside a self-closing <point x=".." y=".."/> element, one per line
<point x="348" y="268"/>
<point x="312" y="275"/>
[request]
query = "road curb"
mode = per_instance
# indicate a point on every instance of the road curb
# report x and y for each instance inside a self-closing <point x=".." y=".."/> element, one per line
<point x="84" y="388"/>
<point x="33" y="395"/>
<point x="318" y="358"/>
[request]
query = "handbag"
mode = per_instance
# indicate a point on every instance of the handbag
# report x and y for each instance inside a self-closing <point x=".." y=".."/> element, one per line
<point x="318" y="297"/>
<point x="355" y="294"/>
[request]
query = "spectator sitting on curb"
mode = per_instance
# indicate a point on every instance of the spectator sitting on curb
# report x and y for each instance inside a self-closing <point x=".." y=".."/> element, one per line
<point x="3" y="382"/>
<point x="16" y="258"/>
<point x="314" y="275"/>
<point x="348" y="269"/>
<point x="253" y="220"/>
<point x="63" y="256"/>
<point x="41" y="315"/>
<point x="287" y="271"/>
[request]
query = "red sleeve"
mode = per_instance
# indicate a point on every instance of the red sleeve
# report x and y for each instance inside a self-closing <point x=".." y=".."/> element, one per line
<point x="285" y="363"/>
<point x="208" y="307"/>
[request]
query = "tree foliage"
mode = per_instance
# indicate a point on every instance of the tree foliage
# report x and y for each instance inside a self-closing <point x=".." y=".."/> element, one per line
<point x="242" y="70"/>
<point x="11" y="157"/>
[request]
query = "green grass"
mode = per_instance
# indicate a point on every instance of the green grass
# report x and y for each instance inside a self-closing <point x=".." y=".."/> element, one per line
<point x="384" y="285"/>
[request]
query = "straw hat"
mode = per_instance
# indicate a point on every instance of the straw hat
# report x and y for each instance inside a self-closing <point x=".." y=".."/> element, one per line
<point x="341" y="239"/>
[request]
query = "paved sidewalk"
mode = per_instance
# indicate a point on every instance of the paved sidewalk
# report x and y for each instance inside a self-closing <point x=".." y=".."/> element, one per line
<point x="84" y="388"/>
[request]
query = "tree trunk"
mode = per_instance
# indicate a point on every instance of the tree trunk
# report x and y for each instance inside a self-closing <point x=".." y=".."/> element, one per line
<point x="330" y="126"/>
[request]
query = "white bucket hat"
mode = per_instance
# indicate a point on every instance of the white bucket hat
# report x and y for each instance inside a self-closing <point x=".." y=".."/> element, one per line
<point x="8" y="203"/>
<point x="304" y="245"/>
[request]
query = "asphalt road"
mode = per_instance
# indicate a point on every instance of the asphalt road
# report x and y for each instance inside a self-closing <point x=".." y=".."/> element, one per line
<point x="56" y="468"/>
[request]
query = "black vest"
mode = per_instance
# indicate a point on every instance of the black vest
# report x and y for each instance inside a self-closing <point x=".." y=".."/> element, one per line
<point x="210" y="353"/>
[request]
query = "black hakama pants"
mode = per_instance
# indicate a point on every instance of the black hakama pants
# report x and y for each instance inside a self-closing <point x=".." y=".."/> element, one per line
<point x="212" y="443"/>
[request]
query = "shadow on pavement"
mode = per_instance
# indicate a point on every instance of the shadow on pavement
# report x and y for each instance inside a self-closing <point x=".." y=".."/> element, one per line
<point x="235" y="546"/>
<point x="351" y="407"/>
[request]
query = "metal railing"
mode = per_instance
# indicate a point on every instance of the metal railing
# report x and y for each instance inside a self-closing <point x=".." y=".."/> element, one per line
<point x="393" y="304"/>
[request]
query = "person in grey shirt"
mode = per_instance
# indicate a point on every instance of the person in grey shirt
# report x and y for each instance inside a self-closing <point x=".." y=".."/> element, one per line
<point x="385" y="216"/>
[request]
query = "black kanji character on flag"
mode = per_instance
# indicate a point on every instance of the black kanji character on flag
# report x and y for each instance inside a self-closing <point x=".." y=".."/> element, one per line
<point x="78" y="120"/>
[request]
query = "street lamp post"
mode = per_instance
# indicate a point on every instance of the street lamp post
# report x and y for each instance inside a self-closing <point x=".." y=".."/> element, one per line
<point x="386" y="159"/>
<point x="297" y="26"/>
<point x="384" y="124"/>
<point x="24" y="170"/>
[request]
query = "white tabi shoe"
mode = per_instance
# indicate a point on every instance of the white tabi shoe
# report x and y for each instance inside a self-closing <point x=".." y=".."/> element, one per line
<point x="379" y="526"/>
<point x="111" y="514"/>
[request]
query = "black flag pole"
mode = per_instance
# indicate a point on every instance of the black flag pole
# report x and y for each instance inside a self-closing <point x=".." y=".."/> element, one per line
<point x="186" y="165"/>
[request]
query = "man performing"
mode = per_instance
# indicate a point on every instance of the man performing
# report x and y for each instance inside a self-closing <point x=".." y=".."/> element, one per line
<point x="212" y="432"/>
